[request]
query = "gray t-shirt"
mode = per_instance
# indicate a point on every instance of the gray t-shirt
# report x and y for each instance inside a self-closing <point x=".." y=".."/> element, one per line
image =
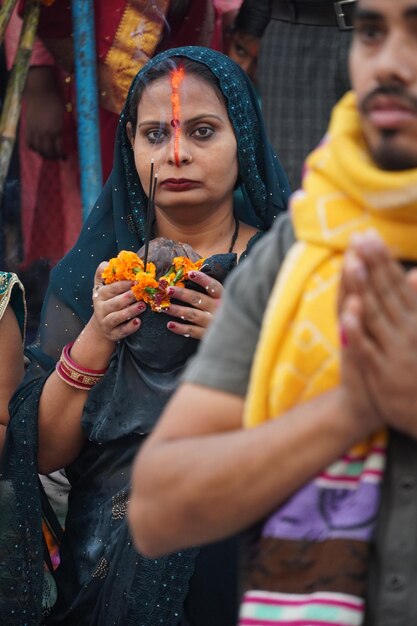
<point x="225" y="356"/>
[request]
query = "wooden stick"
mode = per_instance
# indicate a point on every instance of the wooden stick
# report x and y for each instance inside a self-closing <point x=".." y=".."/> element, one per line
<point x="6" y="11"/>
<point x="15" y="85"/>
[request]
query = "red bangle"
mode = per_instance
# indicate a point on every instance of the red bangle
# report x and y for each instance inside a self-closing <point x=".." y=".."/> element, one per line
<point x="74" y="375"/>
<point x="69" y="380"/>
<point x="66" y="356"/>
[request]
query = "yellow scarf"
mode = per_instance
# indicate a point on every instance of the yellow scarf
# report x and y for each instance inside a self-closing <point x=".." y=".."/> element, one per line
<point x="297" y="357"/>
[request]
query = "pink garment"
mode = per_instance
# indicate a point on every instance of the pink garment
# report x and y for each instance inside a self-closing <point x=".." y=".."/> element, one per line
<point x="227" y="5"/>
<point x="221" y="8"/>
<point x="50" y="199"/>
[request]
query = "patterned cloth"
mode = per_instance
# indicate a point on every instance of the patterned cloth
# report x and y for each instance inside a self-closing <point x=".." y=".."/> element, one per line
<point x="314" y="549"/>
<point x="12" y="292"/>
<point x="302" y="73"/>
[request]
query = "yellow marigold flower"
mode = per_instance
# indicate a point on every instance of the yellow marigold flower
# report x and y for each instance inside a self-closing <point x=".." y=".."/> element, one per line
<point x="145" y="283"/>
<point x="128" y="266"/>
<point x="123" y="267"/>
<point x="182" y="263"/>
<point x="186" y="265"/>
<point x="151" y="269"/>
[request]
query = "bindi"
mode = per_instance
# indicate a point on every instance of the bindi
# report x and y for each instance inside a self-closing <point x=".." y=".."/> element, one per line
<point x="177" y="76"/>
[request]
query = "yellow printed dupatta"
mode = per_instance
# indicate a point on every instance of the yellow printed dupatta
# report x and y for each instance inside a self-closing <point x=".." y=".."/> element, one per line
<point x="343" y="193"/>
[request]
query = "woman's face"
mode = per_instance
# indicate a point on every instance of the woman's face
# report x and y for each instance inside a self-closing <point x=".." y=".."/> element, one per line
<point x="188" y="134"/>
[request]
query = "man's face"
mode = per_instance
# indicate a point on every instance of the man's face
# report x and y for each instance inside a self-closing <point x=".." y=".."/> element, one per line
<point x="383" y="69"/>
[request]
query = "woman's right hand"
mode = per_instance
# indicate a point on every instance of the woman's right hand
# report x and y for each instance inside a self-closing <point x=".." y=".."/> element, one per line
<point x="116" y="310"/>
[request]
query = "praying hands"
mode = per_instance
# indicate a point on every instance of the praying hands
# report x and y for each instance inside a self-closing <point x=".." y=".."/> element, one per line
<point x="378" y="317"/>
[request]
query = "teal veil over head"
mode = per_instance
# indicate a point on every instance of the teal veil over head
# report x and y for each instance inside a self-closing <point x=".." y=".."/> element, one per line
<point x="118" y="220"/>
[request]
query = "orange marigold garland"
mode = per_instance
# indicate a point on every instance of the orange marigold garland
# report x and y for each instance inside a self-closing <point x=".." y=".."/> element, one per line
<point x="128" y="266"/>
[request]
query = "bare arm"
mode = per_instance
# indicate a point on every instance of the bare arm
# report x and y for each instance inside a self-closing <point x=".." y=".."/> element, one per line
<point x="61" y="437"/>
<point x="11" y="365"/>
<point x="61" y="406"/>
<point x="200" y="462"/>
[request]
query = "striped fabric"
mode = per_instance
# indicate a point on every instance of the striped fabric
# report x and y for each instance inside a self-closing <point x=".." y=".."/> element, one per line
<point x="350" y="469"/>
<point x="261" y="608"/>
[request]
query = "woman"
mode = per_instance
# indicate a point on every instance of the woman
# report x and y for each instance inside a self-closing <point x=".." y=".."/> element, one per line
<point x="12" y="330"/>
<point x="212" y="145"/>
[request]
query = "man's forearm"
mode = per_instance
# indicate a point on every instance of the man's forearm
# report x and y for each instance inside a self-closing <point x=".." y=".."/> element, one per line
<point x="220" y="483"/>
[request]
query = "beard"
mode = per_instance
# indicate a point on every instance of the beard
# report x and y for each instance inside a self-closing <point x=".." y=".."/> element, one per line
<point x="391" y="157"/>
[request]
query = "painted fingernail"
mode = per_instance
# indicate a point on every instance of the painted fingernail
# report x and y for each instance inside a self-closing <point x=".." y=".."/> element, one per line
<point x="171" y="325"/>
<point x="141" y="307"/>
<point x="192" y="274"/>
<point x="170" y="291"/>
<point x="360" y="272"/>
<point x="343" y="338"/>
<point x="136" y="322"/>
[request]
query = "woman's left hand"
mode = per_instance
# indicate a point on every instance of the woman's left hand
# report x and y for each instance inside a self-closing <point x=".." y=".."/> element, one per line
<point x="196" y="318"/>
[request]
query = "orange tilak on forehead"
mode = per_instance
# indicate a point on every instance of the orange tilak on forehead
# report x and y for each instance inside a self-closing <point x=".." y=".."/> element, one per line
<point x="177" y="76"/>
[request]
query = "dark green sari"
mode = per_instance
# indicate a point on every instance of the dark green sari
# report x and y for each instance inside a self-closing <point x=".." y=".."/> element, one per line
<point x="102" y="579"/>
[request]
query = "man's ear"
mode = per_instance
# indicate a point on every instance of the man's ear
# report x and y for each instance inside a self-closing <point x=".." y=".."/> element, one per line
<point x="130" y="135"/>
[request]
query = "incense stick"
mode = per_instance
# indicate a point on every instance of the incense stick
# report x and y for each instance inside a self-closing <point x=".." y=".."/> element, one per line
<point x="151" y="215"/>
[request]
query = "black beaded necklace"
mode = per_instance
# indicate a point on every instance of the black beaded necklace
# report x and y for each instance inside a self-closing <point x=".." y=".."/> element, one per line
<point x="235" y="234"/>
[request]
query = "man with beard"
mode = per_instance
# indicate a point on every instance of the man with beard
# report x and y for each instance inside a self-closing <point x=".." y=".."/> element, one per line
<point x="322" y="452"/>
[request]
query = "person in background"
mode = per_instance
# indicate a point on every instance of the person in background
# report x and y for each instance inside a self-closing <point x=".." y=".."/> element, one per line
<point x="297" y="51"/>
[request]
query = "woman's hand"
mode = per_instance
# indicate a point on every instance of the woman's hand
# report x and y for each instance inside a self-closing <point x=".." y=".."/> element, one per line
<point x="199" y="315"/>
<point x="116" y="310"/>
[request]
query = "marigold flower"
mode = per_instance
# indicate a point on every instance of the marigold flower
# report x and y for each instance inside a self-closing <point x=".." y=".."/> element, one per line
<point x="128" y="266"/>
<point x="125" y="266"/>
<point x="145" y="283"/>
